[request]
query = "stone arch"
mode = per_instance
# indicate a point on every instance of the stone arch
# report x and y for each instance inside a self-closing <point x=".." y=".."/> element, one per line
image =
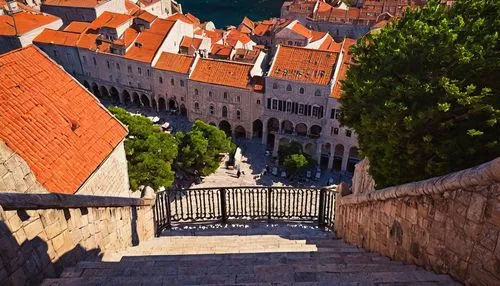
<point x="287" y="127"/>
<point x="301" y="129"/>
<point x="226" y="127"/>
<point x="257" y="128"/>
<point x="196" y="106"/>
<point x="95" y="90"/>
<point x="136" y="99"/>
<point x="115" y="95"/>
<point x="183" y="110"/>
<point x="145" y="100"/>
<point x="172" y="104"/>
<point x="161" y="104"/>
<point x="315" y="131"/>
<point x="104" y="91"/>
<point x="126" y="98"/>
<point x="86" y="85"/>
<point x="240" y="132"/>
<point x="338" y="155"/>
<point x="273" y="125"/>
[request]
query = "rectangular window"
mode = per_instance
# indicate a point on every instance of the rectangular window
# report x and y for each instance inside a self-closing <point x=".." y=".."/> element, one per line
<point x="117" y="66"/>
<point x="301" y="109"/>
<point x="336" y="131"/>
<point x="268" y="103"/>
<point x="108" y="65"/>
<point x="275" y="104"/>
<point x="337" y="113"/>
<point x="315" y="111"/>
<point x="129" y="68"/>
<point x="139" y="70"/>
<point x="84" y="59"/>
<point x="348" y="133"/>
<point x="148" y="73"/>
<point x="258" y="101"/>
<point x="308" y="110"/>
<point x="288" y="106"/>
<point x="295" y="107"/>
<point x="280" y="105"/>
<point x="332" y="113"/>
<point x="320" y="112"/>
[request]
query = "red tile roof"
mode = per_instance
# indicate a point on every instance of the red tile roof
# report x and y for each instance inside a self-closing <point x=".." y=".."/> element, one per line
<point x="61" y="38"/>
<point x="77" y="27"/>
<point x="52" y="122"/>
<point x="174" y="62"/>
<point x="302" y="64"/>
<point x="146" y="16"/>
<point x="222" y="73"/>
<point x="131" y="7"/>
<point x="73" y="3"/>
<point x="149" y="41"/>
<point x="24" y="22"/>
<point x="110" y="20"/>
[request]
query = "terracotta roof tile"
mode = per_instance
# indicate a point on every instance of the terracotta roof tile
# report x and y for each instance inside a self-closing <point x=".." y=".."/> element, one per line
<point x="306" y="65"/>
<point x="110" y="20"/>
<point x="24" y="22"/>
<point x="131" y="7"/>
<point x="52" y="122"/>
<point x="146" y="16"/>
<point x="61" y="38"/>
<point x="149" y="41"/>
<point x="174" y="62"/>
<point x="77" y="27"/>
<point x="222" y="73"/>
<point x="221" y="50"/>
<point x="73" y="3"/>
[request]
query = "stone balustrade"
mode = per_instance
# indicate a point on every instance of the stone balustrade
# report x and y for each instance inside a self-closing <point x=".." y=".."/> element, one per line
<point x="40" y="234"/>
<point x="449" y="224"/>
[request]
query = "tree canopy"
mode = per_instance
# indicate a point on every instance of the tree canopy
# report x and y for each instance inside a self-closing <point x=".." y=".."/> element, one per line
<point x="150" y="152"/>
<point x="200" y="148"/>
<point x="296" y="162"/>
<point x="422" y="94"/>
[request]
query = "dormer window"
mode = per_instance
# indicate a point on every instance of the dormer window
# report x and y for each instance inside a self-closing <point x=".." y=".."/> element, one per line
<point x="137" y="44"/>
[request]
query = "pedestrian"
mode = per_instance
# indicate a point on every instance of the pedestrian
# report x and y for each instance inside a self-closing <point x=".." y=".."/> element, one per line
<point x="267" y="168"/>
<point x="238" y="174"/>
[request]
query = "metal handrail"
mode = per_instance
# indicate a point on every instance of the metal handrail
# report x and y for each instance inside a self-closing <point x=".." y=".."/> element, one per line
<point x="221" y="204"/>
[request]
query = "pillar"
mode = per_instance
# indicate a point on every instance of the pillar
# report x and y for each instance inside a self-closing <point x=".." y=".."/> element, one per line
<point x="330" y="161"/>
<point x="345" y="158"/>
<point x="276" y="146"/>
<point x="318" y="152"/>
<point x="264" y="132"/>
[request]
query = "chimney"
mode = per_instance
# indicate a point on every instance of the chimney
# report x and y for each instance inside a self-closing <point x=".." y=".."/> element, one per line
<point x="12" y="7"/>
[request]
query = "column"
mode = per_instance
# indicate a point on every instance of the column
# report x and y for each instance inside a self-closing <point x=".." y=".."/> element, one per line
<point x="345" y="158"/>
<point x="264" y="132"/>
<point x="318" y="152"/>
<point x="276" y="145"/>
<point x="330" y="161"/>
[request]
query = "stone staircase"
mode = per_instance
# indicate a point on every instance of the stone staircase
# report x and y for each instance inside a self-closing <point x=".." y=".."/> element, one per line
<point x="246" y="255"/>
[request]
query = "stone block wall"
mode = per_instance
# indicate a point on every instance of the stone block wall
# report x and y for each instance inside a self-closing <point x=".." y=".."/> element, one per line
<point x="15" y="174"/>
<point x="449" y="224"/>
<point x="38" y="243"/>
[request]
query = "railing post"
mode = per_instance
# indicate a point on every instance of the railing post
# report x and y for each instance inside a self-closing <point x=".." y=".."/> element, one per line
<point x="169" y="211"/>
<point x="322" y="208"/>
<point x="223" y="205"/>
<point x="269" y="201"/>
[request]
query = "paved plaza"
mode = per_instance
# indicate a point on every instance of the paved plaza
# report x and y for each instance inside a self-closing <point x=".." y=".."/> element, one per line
<point x="252" y="164"/>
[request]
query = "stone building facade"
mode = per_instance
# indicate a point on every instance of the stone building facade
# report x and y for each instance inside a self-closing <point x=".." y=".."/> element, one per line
<point x="81" y="10"/>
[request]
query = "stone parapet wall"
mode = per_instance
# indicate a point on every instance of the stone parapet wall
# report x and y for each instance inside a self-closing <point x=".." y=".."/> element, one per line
<point x="45" y="233"/>
<point x="449" y="224"/>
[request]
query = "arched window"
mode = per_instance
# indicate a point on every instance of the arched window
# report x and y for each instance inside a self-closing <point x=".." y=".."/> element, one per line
<point x="195" y="91"/>
<point x="224" y="111"/>
<point x="212" y="109"/>
<point x="196" y="106"/>
<point x="288" y="88"/>
<point x="301" y="90"/>
<point x="318" y="92"/>
<point x="238" y="114"/>
<point x="275" y="86"/>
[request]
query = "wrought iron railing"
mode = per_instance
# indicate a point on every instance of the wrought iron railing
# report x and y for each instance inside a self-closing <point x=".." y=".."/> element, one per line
<point x="245" y="203"/>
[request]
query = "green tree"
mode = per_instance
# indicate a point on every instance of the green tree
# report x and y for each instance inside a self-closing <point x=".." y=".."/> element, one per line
<point x="295" y="162"/>
<point x="286" y="150"/>
<point x="422" y="94"/>
<point x="200" y="148"/>
<point x="150" y="152"/>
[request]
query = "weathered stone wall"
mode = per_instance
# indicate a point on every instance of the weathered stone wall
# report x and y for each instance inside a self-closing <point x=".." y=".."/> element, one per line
<point x="449" y="224"/>
<point x="39" y="241"/>
<point x="111" y="177"/>
<point x="15" y="174"/>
